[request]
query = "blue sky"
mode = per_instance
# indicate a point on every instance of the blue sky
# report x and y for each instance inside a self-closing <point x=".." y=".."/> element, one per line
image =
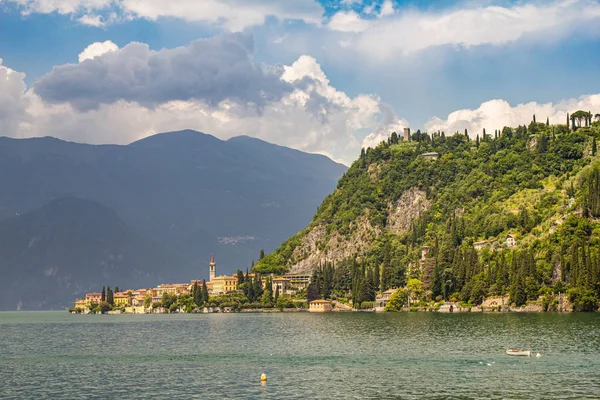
<point x="324" y="76"/>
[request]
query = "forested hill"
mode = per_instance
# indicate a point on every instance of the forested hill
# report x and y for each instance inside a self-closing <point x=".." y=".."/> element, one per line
<point x="538" y="185"/>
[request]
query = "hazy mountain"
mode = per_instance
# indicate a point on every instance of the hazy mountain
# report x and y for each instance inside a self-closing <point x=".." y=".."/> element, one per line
<point x="191" y="192"/>
<point x="68" y="247"/>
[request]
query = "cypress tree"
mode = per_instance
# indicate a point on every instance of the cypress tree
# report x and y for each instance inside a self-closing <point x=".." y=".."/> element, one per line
<point x="262" y="255"/>
<point x="109" y="296"/>
<point x="103" y="296"/>
<point x="547" y="121"/>
<point x="116" y="289"/>
<point x="276" y="294"/>
<point x="568" y="120"/>
<point x="594" y="149"/>
<point x="534" y="118"/>
<point x="204" y="291"/>
<point x="197" y="295"/>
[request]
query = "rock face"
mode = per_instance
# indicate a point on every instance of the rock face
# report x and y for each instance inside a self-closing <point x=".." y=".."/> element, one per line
<point x="317" y="246"/>
<point x="408" y="207"/>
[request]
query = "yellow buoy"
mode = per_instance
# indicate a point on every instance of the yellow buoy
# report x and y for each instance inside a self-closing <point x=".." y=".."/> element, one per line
<point x="263" y="377"/>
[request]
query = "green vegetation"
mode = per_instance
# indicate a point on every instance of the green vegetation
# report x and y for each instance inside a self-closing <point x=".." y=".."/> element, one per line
<point x="539" y="183"/>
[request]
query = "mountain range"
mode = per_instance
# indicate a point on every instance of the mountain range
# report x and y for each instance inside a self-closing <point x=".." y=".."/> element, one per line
<point x="74" y="217"/>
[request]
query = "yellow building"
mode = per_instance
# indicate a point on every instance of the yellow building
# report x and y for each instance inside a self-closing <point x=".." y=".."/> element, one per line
<point x="122" y="299"/>
<point x="170" y="288"/>
<point x="320" y="306"/>
<point x="224" y="284"/>
<point x="81" y="303"/>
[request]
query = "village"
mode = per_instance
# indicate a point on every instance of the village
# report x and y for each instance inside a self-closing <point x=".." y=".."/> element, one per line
<point x="159" y="299"/>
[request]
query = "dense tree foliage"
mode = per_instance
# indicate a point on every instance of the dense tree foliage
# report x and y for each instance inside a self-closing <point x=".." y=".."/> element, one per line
<point x="539" y="183"/>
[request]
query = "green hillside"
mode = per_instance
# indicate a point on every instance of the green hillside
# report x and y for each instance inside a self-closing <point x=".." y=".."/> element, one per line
<point x="538" y="183"/>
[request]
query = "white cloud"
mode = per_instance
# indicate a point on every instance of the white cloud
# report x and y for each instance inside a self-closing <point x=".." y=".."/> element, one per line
<point x="402" y="31"/>
<point x="12" y="100"/>
<point x="231" y="14"/>
<point x="97" y="49"/>
<point x="496" y="114"/>
<point x="349" y="21"/>
<point x="60" y="6"/>
<point x="91" y="20"/>
<point x="383" y="133"/>
<point x="387" y="8"/>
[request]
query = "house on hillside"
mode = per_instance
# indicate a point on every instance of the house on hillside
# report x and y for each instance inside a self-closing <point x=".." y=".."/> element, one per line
<point x="424" y="252"/>
<point x="431" y="156"/>
<point x="480" y="245"/>
<point x="298" y="281"/>
<point x="511" y="241"/>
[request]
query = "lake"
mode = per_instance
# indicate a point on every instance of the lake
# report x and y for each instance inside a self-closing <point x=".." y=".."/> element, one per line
<point x="331" y="356"/>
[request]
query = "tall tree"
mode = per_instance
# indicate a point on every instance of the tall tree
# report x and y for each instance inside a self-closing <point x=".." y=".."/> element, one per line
<point x="109" y="296"/>
<point x="204" y="291"/>
<point x="103" y="295"/>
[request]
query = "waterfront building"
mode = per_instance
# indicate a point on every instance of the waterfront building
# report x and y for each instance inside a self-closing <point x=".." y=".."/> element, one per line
<point x="122" y="299"/>
<point x="219" y="284"/>
<point x="93" y="298"/>
<point x="174" y="289"/>
<point x="382" y="300"/>
<point x="224" y="284"/>
<point x="283" y="284"/>
<point x="320" y="306"/>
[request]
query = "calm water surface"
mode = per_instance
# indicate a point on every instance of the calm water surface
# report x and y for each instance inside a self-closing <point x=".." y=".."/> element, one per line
<point x="331" y="356"/>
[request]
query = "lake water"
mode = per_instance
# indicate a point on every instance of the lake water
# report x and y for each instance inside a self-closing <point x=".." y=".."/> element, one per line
<point x="331" y="356"/>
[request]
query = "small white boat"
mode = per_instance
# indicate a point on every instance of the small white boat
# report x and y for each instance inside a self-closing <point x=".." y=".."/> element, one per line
<point x="526" y="353"/>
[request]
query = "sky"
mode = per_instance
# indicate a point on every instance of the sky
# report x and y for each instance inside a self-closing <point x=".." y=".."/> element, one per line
<point x="321" y="76"/>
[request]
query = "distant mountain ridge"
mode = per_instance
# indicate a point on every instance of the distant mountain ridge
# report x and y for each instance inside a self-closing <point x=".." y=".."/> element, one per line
<point x="190" y="192"/>
<point x="66" y="248"/>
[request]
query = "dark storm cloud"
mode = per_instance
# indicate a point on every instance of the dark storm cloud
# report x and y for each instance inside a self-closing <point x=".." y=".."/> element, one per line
<point x="211" y="69"/>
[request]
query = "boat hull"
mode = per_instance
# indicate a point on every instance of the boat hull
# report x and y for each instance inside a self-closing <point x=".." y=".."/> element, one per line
<point x="522" y="353"/>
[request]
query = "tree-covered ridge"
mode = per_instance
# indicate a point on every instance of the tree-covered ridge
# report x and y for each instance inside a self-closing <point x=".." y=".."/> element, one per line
<point x="540" y="183"/>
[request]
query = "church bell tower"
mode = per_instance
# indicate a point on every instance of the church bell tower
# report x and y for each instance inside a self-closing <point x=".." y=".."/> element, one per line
<point x="213" y="268"/>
